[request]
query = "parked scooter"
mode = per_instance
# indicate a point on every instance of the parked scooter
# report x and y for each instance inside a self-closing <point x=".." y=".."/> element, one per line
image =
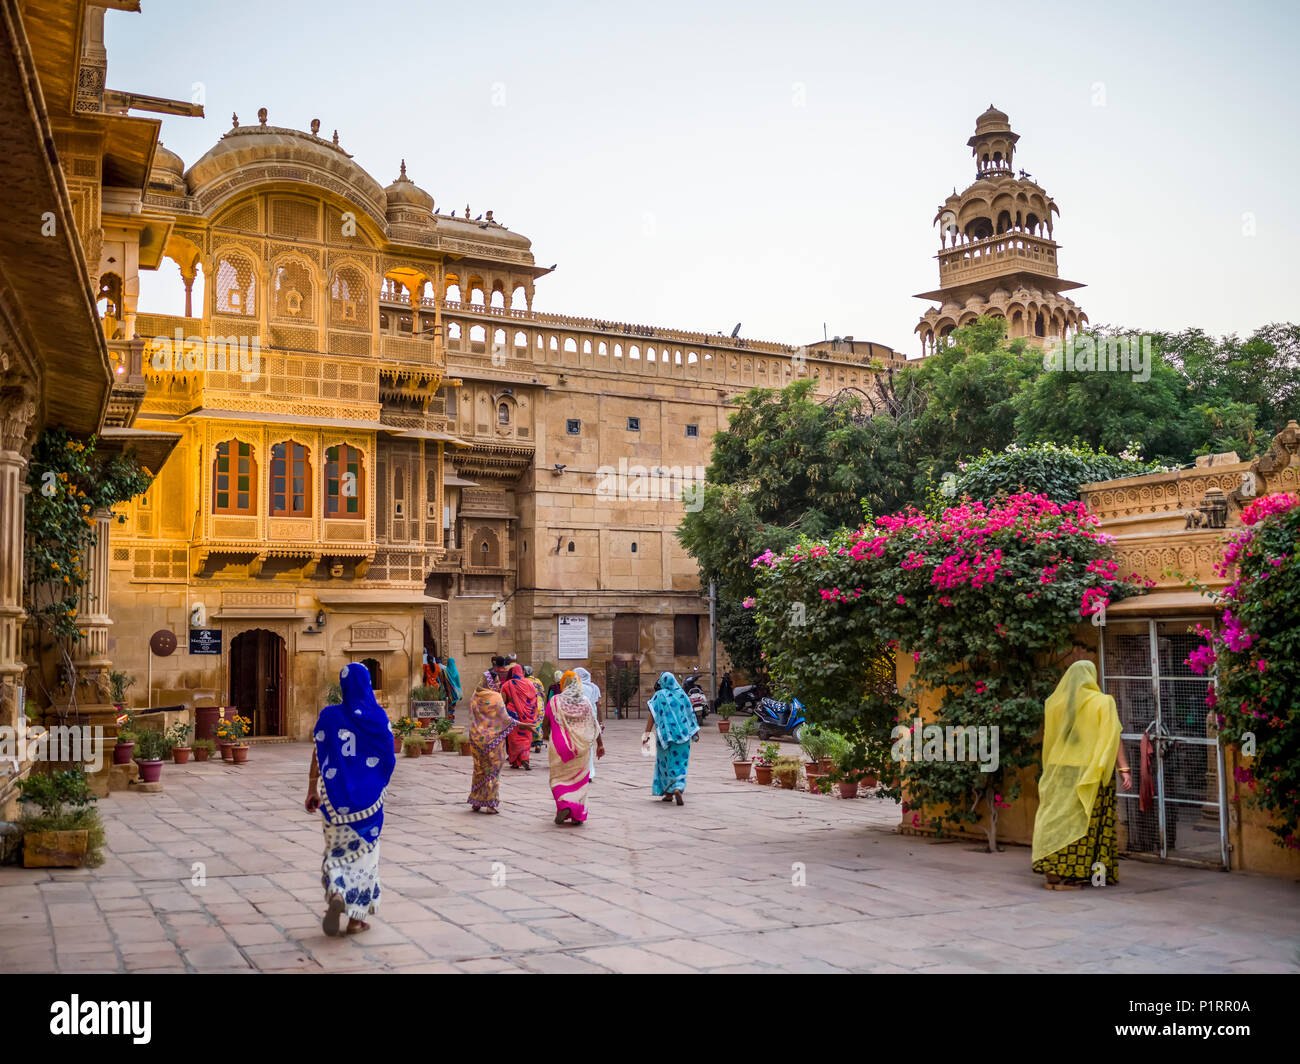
<point x="777" y="719"/>
<point x="746" y="697"/>
<point x="699" y="700"/>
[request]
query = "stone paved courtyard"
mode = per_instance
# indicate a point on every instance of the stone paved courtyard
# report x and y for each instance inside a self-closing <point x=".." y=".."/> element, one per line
<point x="641" y="887"/>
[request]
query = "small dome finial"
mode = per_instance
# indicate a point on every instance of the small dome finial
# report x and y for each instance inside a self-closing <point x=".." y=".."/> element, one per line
<point x="234" y="121"/>
<point x="403" y="169"/>
<point x="315" y="127"/>
<point x="261" y="115"/>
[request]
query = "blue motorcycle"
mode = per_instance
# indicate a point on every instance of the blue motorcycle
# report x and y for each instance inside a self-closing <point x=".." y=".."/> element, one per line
<point x="777" y="719"/>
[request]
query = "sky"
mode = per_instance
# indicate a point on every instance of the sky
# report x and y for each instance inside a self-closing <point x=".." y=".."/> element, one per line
<point x="695" y="165"/>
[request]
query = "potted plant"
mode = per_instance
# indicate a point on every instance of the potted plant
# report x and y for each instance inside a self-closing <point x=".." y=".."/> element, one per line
<point x="725" y="712"/>
<point x="442" y="726"/>
<point x="424" y="699"/>
<point x="150" y="750"/>
<point x="786" y="771"/>
<point x="737" y="740"/>
<point x="122" y="750"/>
<point x="178" y="739"/>
<point x="463" y="746"/>
<point x="768" y="755"/>
<point x="66" y="832"/>
<point x="428" y="737"/>
<point x="412" y="745"/>
<point x="403" y="728"/>
<point x="231" y="732"/>
<point x="816" y="744"/>
<point x="119" y="683"/>
<point x="846" y="773"/>
<point x="203" y="749"/>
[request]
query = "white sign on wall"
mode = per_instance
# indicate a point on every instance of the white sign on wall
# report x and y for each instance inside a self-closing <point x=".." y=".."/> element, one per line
<point x="572" y="638"/>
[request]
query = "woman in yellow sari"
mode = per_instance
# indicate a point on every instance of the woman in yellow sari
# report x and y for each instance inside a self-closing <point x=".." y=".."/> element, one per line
<point x="489" y="726"/>
<point x="571" y="728"/>
<point x="1074" y="829"/>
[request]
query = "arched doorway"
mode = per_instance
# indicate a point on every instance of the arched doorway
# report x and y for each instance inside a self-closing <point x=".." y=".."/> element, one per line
<point x="257" y="684"/>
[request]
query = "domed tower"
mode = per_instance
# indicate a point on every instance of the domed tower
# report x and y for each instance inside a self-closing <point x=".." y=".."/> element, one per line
<point x="996" y="255"/>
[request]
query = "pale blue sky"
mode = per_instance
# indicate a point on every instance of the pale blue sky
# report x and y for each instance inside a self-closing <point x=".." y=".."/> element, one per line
<point x="698" y="164"/>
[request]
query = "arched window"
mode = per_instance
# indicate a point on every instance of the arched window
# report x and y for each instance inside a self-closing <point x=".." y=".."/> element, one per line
<point x="477" y="334"/>
<point x="291" y="292"/>
<point x="485" y="549"/>
<point x="503" y="413"/>
<point x="290" y="480"/>
<point x="376" y="672"/>
<point x="236" y="291"/>
<point x="453" y="330"/>
<point x="345" y="484"/>
<point x="476" y="296"/>
<point x="521" y="339"/>
<point x="349" y="298"/>
<point x="234" y="480"/>
<point x="453" y="293"/>
<point x="498" y="299"/>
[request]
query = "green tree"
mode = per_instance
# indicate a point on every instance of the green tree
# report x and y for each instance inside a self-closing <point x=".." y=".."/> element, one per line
<point x="788" y="465"/>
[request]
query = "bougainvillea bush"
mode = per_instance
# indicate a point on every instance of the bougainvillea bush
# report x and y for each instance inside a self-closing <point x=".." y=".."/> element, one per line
<point x="983" y="596"/>
<point x="1255" y="657"/>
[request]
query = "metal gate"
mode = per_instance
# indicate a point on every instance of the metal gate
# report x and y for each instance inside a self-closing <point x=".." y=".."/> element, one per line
<point x="1185" y="816"/>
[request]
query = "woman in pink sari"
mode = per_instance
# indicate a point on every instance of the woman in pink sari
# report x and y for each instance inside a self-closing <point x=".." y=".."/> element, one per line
<point x="571" y="728"/>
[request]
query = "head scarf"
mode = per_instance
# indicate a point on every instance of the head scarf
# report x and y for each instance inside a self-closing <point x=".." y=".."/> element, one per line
<point x="573" y="719"/>
<point x="488" y="717"/>
<point x="672" y="711"/>
<point x="588" y="688"/>
<point x="1081" y="734"/>
<point x="354" y="750"/>
<point x="520" y="696"/>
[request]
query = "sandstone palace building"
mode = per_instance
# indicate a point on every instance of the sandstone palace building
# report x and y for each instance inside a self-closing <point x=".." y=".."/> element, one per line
<point x="369" y="443"/>
<point x="382" y="449"/>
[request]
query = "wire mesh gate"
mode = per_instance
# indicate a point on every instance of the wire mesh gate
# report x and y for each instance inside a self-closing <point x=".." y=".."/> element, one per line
<point x="1181" y="813"/>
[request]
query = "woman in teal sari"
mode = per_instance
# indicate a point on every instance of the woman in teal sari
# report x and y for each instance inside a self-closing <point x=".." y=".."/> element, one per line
<point x="672" y="723"/>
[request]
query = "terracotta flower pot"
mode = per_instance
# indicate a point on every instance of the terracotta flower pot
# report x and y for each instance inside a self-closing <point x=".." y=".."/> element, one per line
<point x="200" y="753"/>
<point x="848" y="789"/>
<point x="412" y="750"/>
<point x="724" y="726"/>
<point x="869" y="780"/>
<point x="122" y="753"/>
<point x="425" y="722"/>
<point x="448" y="744"/>
<point x="239" y="754"/>
<point x="150" y="771"/>
<point x="825" y="764"/>
<point x="742" y="769"/>
<point x="397" y="744"/>
<point x="181" y="754"/>
<point x="466" y="750"/>
<point x="787" y="781"/>
<point x="763" y="775"/>
<point x="428" y="745"/>
<point x="226" y="754"/>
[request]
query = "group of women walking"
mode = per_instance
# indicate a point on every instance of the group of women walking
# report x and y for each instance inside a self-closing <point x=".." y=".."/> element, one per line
<point x="354" y="758"/>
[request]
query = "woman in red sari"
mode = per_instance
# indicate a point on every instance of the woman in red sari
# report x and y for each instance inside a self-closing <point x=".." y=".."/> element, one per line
<point x="521" y="703"/>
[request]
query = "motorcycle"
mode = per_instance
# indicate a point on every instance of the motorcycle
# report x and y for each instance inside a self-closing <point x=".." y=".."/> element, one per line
<point x="776" y="719"/>
<point x="699" y="700"/>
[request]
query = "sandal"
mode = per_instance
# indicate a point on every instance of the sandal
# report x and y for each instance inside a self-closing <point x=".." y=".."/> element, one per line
<point x="678" y="796"/>
<point x="361" y="925"/>
<point x="330" y="924"/>
<point x="562" y="816"/>
<point x="667" y="797"/>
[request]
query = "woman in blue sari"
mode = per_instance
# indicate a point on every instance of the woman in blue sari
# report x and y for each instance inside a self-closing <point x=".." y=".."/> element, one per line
<point x="673" y="724"/>
<point x="354" y="756"/>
